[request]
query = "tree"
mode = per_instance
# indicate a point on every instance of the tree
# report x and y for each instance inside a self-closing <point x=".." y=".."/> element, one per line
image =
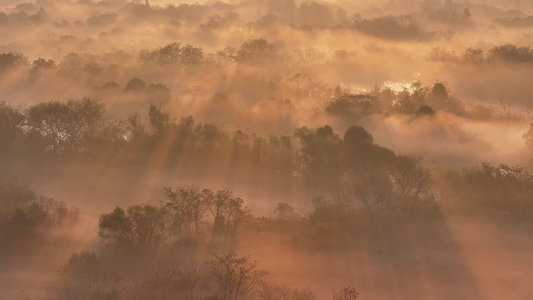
<point x="320" y="153"/>
<point x="218" y="208"/>
<point x="361" y="154"/>
<point x="19" y="229"/>
<point x="24" y="217"/>
<point x="314" y="13"/>
<point x="84" y="277"/>
<point x="306" y="85"/>
<point x="159" y="121"/>
<point x="425" y="110"/>
<point x="167" y="55"/>
<point x="309" y="56"/>
<point x="391" y="27"/>
<point x="528" y="137"/>
<point x="189" y="205"/>
<point x="304" y="294"/>
<point x="158" y="92"/>
<point x="42" y="64"/>
<point x="11" y="123"/>
<point x="193" y="274"/>
<point x="511" y="53"/>
<point x="185" y="132"/>
<point x="140" y="228"/>
<point x="39" y="66"/>
<point x="67" y="126"/>
<point x="135" y="128"/>
<point x="227" y="212"/>
<point x="503" y="190"/>
<point x="272" y="291"/>
<point x="357" y="135"/>
<point x="347" y="293"/>
<point x="256" y="51"/>
<point x="235" y="276"/>
<point x="375" y="190"/>
<point x="209" y="133"/>
<point x="191" y="55"/>
<point x="13" y="195"/>
<point x="12" y="60"/>
<point x="439" y="91"/>
<point x="285" y="213"/>
<point x="353" y="106"/>
<point x="235" y="214"/>
<point x="413" y="188"/>
<point x="411" y="98"/>
<point x="474" y="55"/>
<point x="135" y="85"/>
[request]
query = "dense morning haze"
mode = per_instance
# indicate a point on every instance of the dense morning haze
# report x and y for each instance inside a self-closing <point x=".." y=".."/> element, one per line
<point x="266" y="149"/>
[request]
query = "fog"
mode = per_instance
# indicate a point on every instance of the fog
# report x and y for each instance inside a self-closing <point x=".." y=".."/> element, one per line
<point x="325" y="149"/>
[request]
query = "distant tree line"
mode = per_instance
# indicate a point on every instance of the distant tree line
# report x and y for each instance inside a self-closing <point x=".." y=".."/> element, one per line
<point x="258" y="52"/>
<point x="416" y="100"/>
<point x="506" y="53"/>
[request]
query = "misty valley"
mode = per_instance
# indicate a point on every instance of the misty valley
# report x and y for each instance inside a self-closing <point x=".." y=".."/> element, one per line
<point x="269" y="150"/>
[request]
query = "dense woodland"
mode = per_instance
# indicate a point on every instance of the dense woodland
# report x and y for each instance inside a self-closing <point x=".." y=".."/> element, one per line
<point x="186" y="245"/>
<point x="282" y="150"/>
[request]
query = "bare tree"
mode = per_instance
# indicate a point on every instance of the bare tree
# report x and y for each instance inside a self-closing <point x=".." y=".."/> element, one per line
<point x="235" y="276"/>
<point x="271" y="291"/>
<point x="192" y="275"/>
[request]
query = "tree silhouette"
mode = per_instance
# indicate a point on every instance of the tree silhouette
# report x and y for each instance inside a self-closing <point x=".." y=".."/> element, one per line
<point x="67" y="126"/>
<point x="191" y="55"/>
<point x="189" y="205"/>
<point x="159" y="120"/>
<point x="135" y="85"/>
<point x="235" y="276"/>
<point x="11" y="124"/>
<point x="256" y="51"/>
<point x="320" y="153"/>
<point x="528" y="137"/>
<point x="140" y="228"/>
